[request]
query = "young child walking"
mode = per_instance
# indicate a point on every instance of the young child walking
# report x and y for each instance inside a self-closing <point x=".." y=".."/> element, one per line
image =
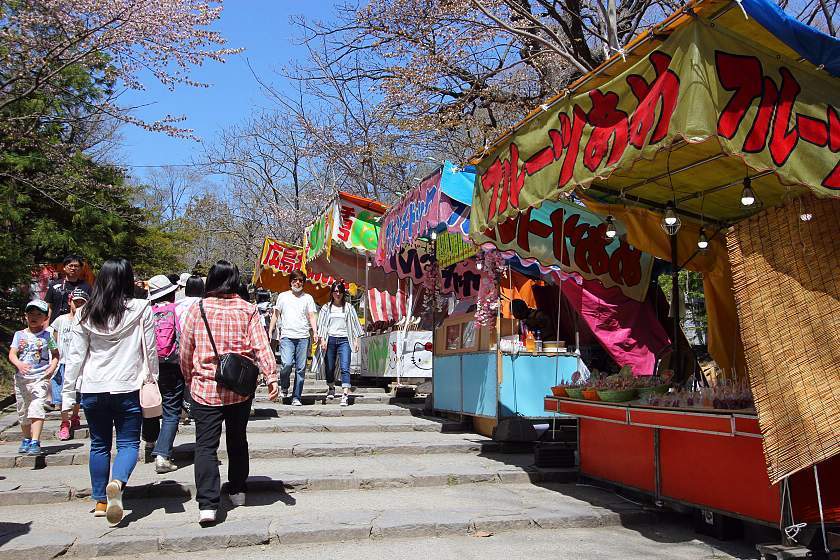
<point x="35" y="355"/>
<point x="63" y="332"/>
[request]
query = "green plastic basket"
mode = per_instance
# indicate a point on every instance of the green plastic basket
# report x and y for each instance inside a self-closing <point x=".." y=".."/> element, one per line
<point x="617" y="396"/>
<point x="657" y="389"/>
<point x="574" y="392"/>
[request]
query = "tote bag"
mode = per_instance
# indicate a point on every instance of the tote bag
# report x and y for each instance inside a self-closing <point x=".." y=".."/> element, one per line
<point x="150" y="399"/>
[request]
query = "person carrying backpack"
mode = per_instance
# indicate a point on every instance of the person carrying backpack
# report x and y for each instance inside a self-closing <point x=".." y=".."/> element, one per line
<point x="171" y="381"/>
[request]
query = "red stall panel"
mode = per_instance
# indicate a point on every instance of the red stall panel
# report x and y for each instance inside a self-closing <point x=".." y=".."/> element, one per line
<point x="678" y="420"/>
<point x="747" y="425"/>
<point x="616" y="452"/>
<point x="720" y="472"/>
<point x="588" y="410"/>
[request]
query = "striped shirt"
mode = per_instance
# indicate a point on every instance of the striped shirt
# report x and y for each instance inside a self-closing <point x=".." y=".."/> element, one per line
<point x="354" y="327"/>
<point x="236" y="329"/>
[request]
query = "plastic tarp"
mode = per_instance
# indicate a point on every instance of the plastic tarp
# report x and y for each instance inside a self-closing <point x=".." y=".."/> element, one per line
<point x="814" y="45"/>
<point x="626" y="328"/>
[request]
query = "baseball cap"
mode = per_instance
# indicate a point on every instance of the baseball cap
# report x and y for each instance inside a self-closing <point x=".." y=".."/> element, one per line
<point x="79" y="293"/>
<point x="182" y="280"/>
<point x="38" y="304"/>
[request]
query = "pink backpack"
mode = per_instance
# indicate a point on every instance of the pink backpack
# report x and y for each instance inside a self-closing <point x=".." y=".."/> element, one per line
<point x="167" y="333"/>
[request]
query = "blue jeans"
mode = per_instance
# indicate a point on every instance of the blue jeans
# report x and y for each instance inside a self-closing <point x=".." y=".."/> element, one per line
<point x="171" y="384"/>
<point x="55" y="385"/>
<point x="338" y="347"/>
<point x="106" y="412"/>
<point x="293" y="353"/>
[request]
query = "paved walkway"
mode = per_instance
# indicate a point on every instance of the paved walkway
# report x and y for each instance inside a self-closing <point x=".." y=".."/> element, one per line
<point x="665" y="542"/>
<point x="319" y="473"/>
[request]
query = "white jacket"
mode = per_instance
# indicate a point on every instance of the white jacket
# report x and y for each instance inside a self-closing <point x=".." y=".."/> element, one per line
<point x="112" y="360"/>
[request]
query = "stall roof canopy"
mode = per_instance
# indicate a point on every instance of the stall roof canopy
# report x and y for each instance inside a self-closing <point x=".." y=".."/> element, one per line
<point x="440" y="201"/>
<point x="713" y="94"/>
<point x="363" y="202"/>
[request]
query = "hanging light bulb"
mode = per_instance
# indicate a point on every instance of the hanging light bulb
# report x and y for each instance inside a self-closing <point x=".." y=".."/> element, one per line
<point x="702" y="240"/>
<point x="806" y="216"/>
<point x="670" y="221"/>
<point x="747" y="195"/>
<point x="369" y="264"/>
<point x="434" y="235"/>
<point x="478" y="265"/>
<point x="670" y="218"/>
<point x="611" y="231"/>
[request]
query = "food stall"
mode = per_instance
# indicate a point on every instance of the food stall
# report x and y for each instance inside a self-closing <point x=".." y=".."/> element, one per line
<point x="478" y="369"/>
<point x="708" y="458"/>
<point x="713" y="139"/>
<point x="339" y="244"/>
<point x="276" y="261"/>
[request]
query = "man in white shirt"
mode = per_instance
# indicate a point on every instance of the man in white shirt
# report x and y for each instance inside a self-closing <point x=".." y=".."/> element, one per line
<point x="296" y="313"/>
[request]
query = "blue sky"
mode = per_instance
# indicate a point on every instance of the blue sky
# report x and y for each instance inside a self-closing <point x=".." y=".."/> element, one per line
<point x="260" y="26"/>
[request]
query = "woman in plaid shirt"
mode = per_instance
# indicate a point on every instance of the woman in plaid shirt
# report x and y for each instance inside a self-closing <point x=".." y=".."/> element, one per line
<point x="237" y="329"/>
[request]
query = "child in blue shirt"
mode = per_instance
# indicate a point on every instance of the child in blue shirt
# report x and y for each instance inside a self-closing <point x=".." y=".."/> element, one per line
<point x="34" y="353"/>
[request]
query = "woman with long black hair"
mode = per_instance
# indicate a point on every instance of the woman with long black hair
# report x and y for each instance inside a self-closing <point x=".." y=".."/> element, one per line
<point x="236" y="328"/>
<point x="338" y="324"/>
<point x="113" y="351"/>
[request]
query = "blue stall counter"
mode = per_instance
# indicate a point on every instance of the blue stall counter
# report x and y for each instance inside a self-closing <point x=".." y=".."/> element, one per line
<point x="528" y="377"/>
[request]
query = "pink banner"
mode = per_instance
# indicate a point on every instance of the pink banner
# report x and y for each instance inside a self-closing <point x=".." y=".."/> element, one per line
<point x="416" y="263"/>
<point x="412" y="217"/>
<point x="627" y="329"/>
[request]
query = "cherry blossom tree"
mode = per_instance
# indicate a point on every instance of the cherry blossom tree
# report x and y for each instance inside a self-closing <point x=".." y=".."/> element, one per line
<point x="121" y="42"/>
<point x="459" y="72"/>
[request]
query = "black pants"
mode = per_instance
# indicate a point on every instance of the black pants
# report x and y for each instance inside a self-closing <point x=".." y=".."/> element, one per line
<point x="171" y="385"/>
<point x="208" y="432"/>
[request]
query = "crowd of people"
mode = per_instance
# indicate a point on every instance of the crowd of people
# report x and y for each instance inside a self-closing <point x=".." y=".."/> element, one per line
<point x="140" y="358"/>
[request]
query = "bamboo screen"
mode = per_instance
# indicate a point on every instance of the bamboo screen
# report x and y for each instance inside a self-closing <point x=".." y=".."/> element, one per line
<point x="786" y="276"/>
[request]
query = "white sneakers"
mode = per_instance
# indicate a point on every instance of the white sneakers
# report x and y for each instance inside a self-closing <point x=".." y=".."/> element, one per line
<point x="296" y="402"/>
<point x="331" y="392"/>
<point x="344" y="400"/>
<point x="208" y="516"/>
<point x="114" y="509"/>
<point x="164" y="465"/>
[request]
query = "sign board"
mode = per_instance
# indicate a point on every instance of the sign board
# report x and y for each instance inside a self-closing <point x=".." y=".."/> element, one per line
<point x="280" y="257"/>
<point x="355" y="227"/>
<point x="451" y="248"/>
<point x="582" y="247"/>
<point x="411" y="218"/>
<point x="379" y="355"/>
<point x="700" y="84"/>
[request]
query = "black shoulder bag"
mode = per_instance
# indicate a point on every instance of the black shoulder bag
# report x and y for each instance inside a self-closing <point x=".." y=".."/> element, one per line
<point x="234" y="372"/>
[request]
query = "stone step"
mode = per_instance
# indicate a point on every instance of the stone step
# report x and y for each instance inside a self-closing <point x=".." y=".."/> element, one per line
<point x="277" y="446"/>
<point x="298" y="424"/>
<point x="369" y="398"/>
<point x="166" y="526"/>
<point x="10" y="431"/>
<point x="333" y="409"/>
<point x="62" y="483"/>
<point x="321" y="387"/>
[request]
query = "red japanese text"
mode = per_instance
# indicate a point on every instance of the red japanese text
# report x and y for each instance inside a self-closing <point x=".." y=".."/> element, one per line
<point x="775" y="127"/>
<point x="611" y="131"/>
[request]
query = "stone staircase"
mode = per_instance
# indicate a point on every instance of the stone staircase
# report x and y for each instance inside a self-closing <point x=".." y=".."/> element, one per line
<point x="319" y="473"/>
